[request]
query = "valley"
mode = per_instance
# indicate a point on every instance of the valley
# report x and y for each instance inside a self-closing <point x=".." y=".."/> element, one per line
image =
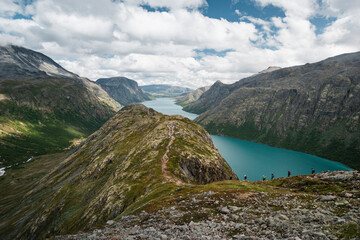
<point x="179" y="120"/>
<point x="312" y="108"/>
<point x="82" y="165"/>
<point x="253" y="159"/>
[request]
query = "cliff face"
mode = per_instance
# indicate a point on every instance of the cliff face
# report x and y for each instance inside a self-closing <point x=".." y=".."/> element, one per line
<point x="123" y="90"/>
<point x="137" y="154"/>
<point x="187" y="98"/>
<point x="21" y="62"/>
<point x="312" y="108"/>
<point x="43" y="106"/>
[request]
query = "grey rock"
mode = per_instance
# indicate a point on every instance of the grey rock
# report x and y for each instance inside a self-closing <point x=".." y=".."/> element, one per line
<point x="123" y="90"/>
<point x="327" y="198"/>
<point x="224" y="210"/>
<point x="110" y="222"/>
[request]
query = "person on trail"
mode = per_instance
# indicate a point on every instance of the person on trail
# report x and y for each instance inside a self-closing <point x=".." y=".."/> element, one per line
<point x="312" y="171"/>
<point x="245" y="177"/>
<point x="264" y="178"/>
<point x="272" y="176"/>
<point x="289" y="173"/>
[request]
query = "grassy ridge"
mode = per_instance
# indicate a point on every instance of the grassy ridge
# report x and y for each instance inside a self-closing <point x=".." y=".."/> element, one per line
<point x="44" y="115"/>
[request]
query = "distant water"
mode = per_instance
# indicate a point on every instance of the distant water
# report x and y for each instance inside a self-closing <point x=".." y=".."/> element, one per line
<point x="254" y="159"/>
<point x="167" y="106"/>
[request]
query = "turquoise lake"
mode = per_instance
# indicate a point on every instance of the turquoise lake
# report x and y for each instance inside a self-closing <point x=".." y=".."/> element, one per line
<point x="254" y="159"/>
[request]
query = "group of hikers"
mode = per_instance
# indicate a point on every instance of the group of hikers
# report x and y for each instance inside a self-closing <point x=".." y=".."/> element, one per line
<point x="273" y="176"/>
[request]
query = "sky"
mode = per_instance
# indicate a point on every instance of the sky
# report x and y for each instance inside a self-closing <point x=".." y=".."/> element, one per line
<point x="189" y="43"/>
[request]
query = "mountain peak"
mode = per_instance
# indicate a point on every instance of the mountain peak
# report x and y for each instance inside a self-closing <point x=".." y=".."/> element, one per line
<point x="127" y="159"/>
<point x="123" y="90"/>
<point x="21" y="63"/>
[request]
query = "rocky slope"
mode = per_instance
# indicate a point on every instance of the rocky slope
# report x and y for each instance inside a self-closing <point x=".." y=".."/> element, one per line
<point x="123" y="90"/>
<point x="43" y="106"/>
<point x="164" y="90"/>
<point x="324" y="206"/>
<point x="187" y="98"/>
<point x="138" y="155"/>
<point x="21" y="62"/>
<point x="312" y="108"/>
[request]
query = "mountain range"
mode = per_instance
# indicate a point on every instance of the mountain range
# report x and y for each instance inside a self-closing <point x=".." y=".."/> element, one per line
<point x="44" y="107"/>
<point x="164" y="90"/>
<point x="137" y="155"/>
<point x="186" y="98"/>
<point x="313" y="108"/>
<point x="123" y="90"/>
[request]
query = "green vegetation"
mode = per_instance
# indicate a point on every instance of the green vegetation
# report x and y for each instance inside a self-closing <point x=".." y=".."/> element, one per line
<point x="43" y="116"/>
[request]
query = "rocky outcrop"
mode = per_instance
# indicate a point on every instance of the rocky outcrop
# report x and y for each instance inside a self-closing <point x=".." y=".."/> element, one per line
<point x="187" y="98"/>
<point x="210" y="98"/>
<point x="123" y="90"/>
<point x="164" y="90"/>
<point x="283" y="213"/>
<point x="43" y="106"/>
<point x="18" y="62"/>
<point x="136" y="155"/>
<point x="312" y="108"/>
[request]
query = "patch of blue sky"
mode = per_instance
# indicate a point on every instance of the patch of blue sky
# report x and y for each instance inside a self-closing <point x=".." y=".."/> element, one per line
<point x="262" y="45"/>
<point x="108" y="55"/>
<point x="200" y="53"/>
<point x="21" y="16"/>
<point x="226" y="9"/>
<point x="156" y="9"/>
<point x="22" y="4"/>
<point x="321" y="22"/>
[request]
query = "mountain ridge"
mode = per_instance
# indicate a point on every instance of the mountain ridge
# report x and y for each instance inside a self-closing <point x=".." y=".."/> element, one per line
<point x="123" y="90"/>
<point x="137" y="153"/>
<point x="44" y="106"/>
<point x="313" y="108"/>
<point x="164" y="90"/>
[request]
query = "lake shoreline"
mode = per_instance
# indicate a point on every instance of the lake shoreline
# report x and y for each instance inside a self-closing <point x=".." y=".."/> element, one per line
<point x="256" y="160"/>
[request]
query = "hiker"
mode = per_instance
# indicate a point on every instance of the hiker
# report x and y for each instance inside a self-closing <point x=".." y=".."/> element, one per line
<point x="289" y="173"/>
<point x="264" y="178"/>
<point x="245" y="177"/>
<point x="312" y="171"/>
<point x="272" y="176"/>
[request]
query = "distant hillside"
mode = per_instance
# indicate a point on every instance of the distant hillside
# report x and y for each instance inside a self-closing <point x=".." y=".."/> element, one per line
<point x="314" y="108"/>
<point x="137" y="155"/>
<point x="163" y="90"/>
<point x="123" y="90"/>
<point x="44" y="106"/>
<point x="186" y="98"/>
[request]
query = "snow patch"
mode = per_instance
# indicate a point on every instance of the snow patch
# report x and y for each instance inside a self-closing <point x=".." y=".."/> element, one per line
<point x="2" y="171"/>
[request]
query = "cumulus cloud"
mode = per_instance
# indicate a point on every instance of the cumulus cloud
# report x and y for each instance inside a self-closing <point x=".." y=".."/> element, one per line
<point x="168" y="43"/>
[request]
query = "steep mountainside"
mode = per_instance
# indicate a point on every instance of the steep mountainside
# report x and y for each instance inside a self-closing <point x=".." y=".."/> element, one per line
<point x="314" y="108"/>
<point x="43" y="106"/>
<point x="163" y="90"/>
<point x="123" y="90"/>
<point x="18" y="61"/>
<point x="137" y="155"/>
<point x="187" y="98"/>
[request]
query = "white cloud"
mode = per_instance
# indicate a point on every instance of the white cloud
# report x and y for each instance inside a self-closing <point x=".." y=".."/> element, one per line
<point x="120" y="38"/>
<point x="9" y="8"/>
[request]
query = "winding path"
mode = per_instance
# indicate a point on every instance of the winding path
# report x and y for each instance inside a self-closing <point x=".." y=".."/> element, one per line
<point x="165" y="158"/>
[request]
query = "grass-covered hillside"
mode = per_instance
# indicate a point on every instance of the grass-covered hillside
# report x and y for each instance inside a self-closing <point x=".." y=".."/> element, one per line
<point x="137" y="155"/>
<point x="313" y="108"/>
<point x="44" y="107"/>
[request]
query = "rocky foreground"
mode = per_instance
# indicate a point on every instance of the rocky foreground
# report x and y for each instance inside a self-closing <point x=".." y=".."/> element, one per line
<point x="322" y="206"/>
